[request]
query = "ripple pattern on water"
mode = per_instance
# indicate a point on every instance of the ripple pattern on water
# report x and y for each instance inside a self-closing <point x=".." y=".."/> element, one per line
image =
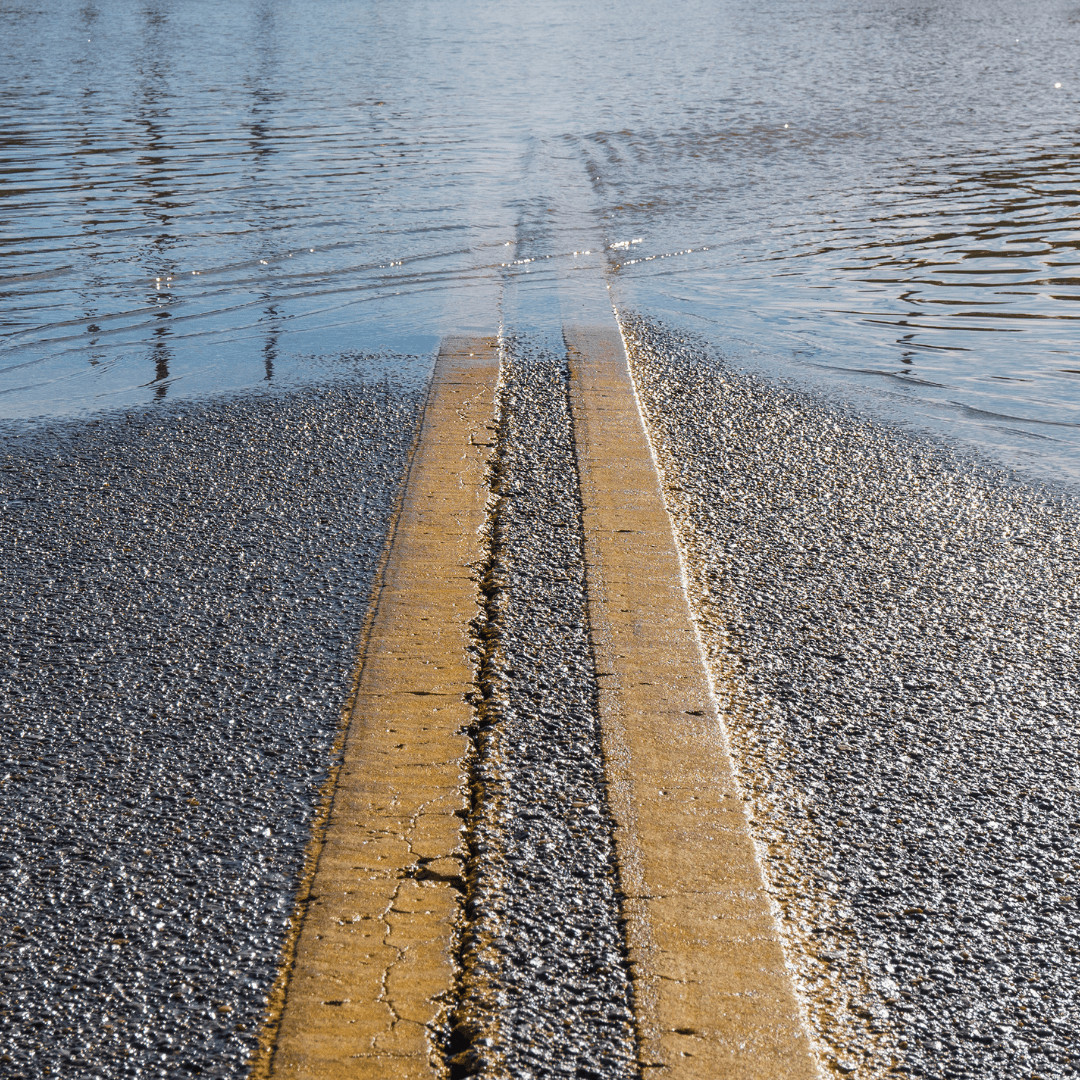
<point x="196" y="196"/>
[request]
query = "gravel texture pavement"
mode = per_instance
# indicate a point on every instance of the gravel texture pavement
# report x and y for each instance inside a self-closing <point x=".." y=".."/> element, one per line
<point x="545" y="984"/>
<point x="893" y="629"/>
<point x="184" y="588"/>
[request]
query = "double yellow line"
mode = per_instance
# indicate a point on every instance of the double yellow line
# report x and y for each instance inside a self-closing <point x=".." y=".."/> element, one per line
<point x="371" y="969"/>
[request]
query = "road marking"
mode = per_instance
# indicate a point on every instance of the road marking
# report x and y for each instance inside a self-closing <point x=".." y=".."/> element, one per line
<point x="373" y="964"/>
<point x="712" y="992"/>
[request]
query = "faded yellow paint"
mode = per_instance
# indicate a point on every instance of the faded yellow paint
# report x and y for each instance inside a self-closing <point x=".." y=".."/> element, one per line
<point x="713" y="995"/>
<point x="373" y="963"/>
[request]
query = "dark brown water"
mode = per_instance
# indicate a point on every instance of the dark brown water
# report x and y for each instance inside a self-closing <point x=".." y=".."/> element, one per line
<point x="877" y="198"/>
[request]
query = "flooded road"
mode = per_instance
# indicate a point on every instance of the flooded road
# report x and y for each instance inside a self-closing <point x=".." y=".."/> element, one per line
<point x="231" y="240"/>
<point x="880" y="201"/>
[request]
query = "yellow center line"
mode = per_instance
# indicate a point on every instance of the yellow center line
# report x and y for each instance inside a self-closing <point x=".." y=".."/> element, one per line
<point x="713" y="995"/>
<point x="373" y="964"/>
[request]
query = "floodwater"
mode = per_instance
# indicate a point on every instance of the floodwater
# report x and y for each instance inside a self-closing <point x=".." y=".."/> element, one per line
<point x="878" y="199"/>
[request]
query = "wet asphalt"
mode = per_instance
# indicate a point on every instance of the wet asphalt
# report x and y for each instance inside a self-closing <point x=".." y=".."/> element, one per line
<point x="545" y="988"/>
<point x="894" y="630"/>
<point x="183" y="591"/>
<point x="892" y="627"/>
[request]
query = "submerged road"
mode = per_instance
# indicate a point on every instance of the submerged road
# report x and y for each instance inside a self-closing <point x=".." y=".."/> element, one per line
<point x="888" y="629"/>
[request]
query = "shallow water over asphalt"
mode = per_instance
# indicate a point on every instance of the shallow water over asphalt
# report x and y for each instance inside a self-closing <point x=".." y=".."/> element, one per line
<point x="185" y="588"/>
<point x="893" y="632"/>
<point x="881" y="199"/>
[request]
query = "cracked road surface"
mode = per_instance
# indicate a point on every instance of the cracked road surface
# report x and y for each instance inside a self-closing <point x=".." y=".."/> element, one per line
<point x="373" y="971"/>
<point x="609" y="914"/>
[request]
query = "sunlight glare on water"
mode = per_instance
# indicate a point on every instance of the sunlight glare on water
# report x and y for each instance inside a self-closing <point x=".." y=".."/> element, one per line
<point x="879" y="200"/>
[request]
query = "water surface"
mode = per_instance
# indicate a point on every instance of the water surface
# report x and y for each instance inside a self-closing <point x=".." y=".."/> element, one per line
<point x="876" y="198"/>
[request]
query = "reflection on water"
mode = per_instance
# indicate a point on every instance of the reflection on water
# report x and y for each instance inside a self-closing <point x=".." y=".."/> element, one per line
<point x="878" y="199"/>
<point x="946" y="289"/>
<point x="967" y="251"/>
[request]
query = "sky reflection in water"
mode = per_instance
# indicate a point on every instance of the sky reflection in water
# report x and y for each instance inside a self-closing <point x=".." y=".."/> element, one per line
<point x="880" y="200"/>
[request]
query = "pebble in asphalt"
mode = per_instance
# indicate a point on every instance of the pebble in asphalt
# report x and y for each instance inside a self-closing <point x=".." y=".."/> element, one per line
<point x="184" y="588"/>
<point x="545" y="984"/>
<point x="893" y="627"/>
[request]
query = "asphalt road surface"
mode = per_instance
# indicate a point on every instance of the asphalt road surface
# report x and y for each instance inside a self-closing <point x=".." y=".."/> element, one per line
<point x="891" y="628"/>
<point x="894" y="628"/>
<point x="184" y="589"/>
